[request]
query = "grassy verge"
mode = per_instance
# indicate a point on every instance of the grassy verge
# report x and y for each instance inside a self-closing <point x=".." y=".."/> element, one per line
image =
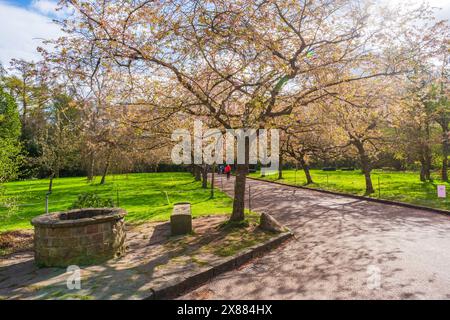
<point x="222" y="239"/>
<point x="390" y="185"/>
<point x="146" y="197"/>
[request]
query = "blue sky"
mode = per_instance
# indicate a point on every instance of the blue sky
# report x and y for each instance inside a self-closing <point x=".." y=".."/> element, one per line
<point x="20" y="2"/>
<point x="25" y="23"/>
<point x="23" y="26"/>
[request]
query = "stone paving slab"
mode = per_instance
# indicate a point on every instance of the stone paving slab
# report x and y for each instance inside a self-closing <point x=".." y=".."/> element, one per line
<point x="155" y="263"/>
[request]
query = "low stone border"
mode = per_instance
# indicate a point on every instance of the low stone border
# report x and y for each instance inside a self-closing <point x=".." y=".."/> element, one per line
<point x="182" y="285"/>
<point x="385" y="201"/>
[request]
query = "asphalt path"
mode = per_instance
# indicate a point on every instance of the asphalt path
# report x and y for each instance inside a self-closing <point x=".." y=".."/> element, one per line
<point x="344" y="248"/>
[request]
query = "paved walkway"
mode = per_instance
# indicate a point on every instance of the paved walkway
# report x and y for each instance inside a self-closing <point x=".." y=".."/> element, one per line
<point x="344" y="249"/>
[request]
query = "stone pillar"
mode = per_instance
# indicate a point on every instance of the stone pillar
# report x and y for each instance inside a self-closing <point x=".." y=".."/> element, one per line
<point x="181" y="219"/>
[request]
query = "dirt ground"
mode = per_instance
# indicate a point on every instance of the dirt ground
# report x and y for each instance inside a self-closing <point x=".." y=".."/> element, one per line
<point x="15" y="241"/>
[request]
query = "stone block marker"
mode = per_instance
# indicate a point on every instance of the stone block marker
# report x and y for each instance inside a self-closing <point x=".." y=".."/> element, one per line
<point x="267" y="222"/>
<point x="181" y="219"/>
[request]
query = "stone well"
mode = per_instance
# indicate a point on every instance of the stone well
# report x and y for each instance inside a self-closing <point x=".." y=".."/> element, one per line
<point x="79" y="237"/>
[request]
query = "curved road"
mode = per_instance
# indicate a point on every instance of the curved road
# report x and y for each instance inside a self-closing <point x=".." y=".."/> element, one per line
<point x="344" y="248"/>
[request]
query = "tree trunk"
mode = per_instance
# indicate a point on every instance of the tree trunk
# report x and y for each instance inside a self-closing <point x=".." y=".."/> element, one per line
<point x="239" y="193"/>
<point x="425" y="169"/>
<point x="445" y="147"/>
<point x="91" y="167"/>
<point x="197" y="173"/>
<point x="366" y="168"/>
<point x="422" y="171"/>
<point x="444" y="123"/>
<point x="428" y="161"/>
<point x="369" y="186"/>
<point x="204" y="176"/>
<point x="50" y="184"/>
<point x="105" y="172"/>
<point x="427" y="156"/>
<point x="280" y="166"/>
<point x="239" y="186"/>
<point x="305" y="168"/>
<point x="425" y="164"/>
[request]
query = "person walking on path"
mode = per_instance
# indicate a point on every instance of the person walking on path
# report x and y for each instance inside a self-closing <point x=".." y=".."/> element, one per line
<point x="228" y="171"/>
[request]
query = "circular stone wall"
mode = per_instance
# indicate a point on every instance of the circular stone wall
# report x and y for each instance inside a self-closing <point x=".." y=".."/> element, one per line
<point x="79" y="237"/>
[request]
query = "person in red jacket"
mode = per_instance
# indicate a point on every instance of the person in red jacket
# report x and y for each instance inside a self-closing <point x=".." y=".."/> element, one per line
<point x="228" y="171"/>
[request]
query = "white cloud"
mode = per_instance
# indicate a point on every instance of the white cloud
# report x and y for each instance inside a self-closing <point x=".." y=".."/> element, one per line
<point x="21" y="31"/>
<point x="442" y="6"/>
<point x="49" y="8"/>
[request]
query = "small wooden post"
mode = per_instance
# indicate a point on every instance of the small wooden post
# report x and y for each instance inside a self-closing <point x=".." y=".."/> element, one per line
<point x="296" y="168"/>
<point x="212" y="181"/>
<point x="379" y="188"/>
<point x="249" y="198"/>
<point x="46" y="201"/>
<point x="167" y="197"/>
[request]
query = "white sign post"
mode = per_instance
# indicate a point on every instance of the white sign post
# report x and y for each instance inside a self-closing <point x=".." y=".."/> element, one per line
<point x="441" y="191"/>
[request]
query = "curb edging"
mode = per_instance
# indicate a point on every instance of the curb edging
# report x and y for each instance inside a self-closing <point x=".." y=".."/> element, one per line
<point x="354" y="196"/>
<point x="181" y="285"/>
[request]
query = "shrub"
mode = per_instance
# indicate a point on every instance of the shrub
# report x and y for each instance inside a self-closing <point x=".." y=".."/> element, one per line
<point x="91" y="200"/>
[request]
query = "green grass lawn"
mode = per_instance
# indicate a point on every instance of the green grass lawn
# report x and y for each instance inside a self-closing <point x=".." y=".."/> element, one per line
<point x="146" y="197"/>
<point x="399" y="186"/>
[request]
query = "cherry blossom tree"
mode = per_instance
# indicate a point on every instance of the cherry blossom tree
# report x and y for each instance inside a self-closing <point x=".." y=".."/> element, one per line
<point x="245" y="63"/>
